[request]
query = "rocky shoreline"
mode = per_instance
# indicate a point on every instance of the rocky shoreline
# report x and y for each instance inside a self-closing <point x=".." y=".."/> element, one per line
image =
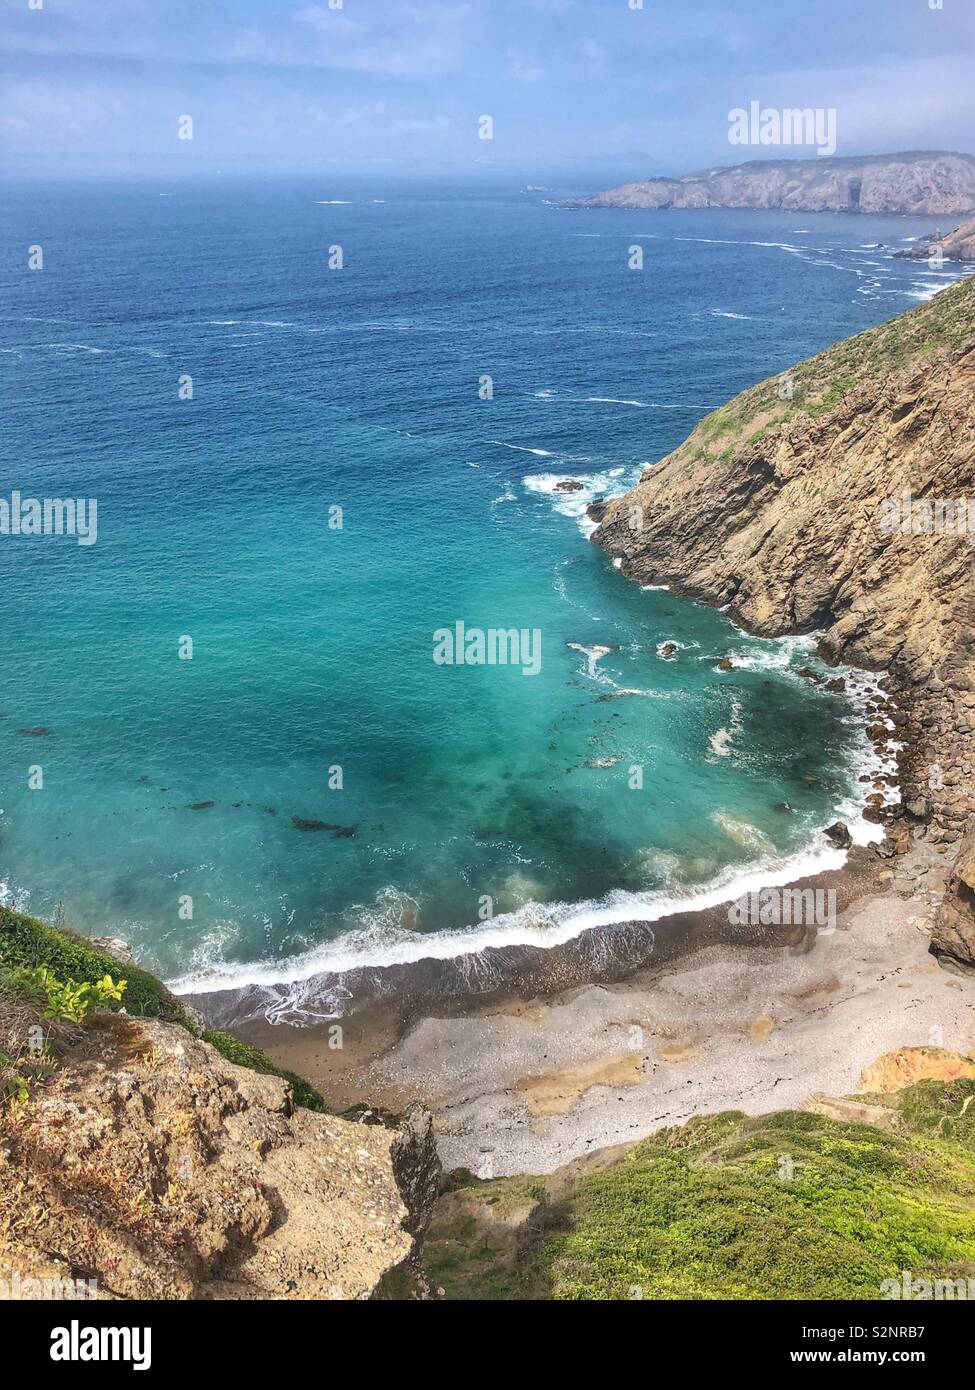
<point x="791" y="483"/>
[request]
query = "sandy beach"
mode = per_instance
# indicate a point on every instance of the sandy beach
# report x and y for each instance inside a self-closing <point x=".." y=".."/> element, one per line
<point x="525" y="1084"/>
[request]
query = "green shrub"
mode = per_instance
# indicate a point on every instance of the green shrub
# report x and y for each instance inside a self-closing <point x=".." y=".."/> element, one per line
<point x="26" y="942"/>
<point x="36" y="958"/>
<point x="789" y="1205"/>
<point x="70" y="1000"/>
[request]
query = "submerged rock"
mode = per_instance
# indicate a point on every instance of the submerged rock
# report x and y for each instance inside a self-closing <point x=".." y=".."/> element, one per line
<point x="340" y="832"/>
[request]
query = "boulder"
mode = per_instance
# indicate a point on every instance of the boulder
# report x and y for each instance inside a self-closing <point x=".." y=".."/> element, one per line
<point x="838" y="834"/>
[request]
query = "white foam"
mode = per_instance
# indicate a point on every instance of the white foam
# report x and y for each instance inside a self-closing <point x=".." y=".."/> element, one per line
<point x="542" y="925"/>
<point x="719" y="743"/>
<point x="593" y="654"/>
<point x="521" y="448"/>
<point x="74" y="347"/>
<point x="613" y="483"/>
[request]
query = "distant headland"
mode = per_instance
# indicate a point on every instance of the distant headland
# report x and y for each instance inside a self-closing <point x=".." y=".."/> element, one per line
<point x="936" y="183"/>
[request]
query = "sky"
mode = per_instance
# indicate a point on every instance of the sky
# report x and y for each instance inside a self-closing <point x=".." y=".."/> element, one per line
<point x="574" y="88"/>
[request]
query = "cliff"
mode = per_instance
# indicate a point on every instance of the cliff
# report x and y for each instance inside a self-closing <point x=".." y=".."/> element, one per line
<point x="808" y="503"/>
<point x="137" y="1155"/>
<point x="917" y="182"/>
<point x="958" y="245"/>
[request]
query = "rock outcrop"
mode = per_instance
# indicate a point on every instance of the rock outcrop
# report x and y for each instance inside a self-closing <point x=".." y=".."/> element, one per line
<point x="953" y="938"/>
<point x="937" y="183"/>
<point x="840" y="498"/>
<point x="958" y="245"/>
<point x="151" y="1164"/>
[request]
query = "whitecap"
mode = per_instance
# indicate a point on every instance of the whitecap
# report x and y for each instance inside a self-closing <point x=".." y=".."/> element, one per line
<point x="521" y="448"/>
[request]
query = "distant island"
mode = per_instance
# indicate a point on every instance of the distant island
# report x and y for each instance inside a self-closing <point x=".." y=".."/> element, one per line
<point x="925" y="182"/>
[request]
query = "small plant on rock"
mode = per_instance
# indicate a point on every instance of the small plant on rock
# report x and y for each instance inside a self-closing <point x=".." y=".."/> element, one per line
<point x="70" y="999"/>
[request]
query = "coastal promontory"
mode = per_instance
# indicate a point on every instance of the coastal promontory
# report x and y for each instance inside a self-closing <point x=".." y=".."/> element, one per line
<point x="920" y="182"/>
<point x="839" y="499"/>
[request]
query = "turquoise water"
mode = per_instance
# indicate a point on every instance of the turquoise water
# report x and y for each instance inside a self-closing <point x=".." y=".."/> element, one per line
<point x="312" y="646"/>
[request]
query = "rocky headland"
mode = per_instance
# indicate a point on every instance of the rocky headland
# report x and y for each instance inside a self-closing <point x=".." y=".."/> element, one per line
<point x="163" y="1162"/>
<point x="920" y="182"/>
<point x="836" y="499"/>
<point x="958" y="245"/>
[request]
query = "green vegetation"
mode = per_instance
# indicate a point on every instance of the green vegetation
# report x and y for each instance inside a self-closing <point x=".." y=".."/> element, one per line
<point x="819" y="384"/>
<point x="27" y="943"/>
<point x="40" y="963"/>
<point x="69" y="1000"/>
<point x="13" y="1084"/>
<point x="255" y="1060"/>
<point x="784" y="1206"/>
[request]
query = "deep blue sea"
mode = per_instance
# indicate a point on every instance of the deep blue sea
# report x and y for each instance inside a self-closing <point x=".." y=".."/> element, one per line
<point x="476" y="803"/>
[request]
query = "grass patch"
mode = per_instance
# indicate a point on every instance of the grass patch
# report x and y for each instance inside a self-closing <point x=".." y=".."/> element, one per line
<point x="784" y="1206"/>
<point x="941" y="325"/>
<point x="26" y="943"/>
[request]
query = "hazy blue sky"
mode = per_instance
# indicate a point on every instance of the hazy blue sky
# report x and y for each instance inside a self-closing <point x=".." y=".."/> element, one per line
<point x="97" y="86"/>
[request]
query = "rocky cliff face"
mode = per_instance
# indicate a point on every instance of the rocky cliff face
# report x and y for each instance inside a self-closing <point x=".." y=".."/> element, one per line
<point x="151" y="1164"/>
<point x="958" y="245"/>
<point x="954" y="928"/>
<point x="935" y="183"/>
<point x="808" y="503"/>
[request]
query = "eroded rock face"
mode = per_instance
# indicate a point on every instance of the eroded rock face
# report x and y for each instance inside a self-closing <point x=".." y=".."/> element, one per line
<point x="909" y="1065"/>
<point x="157" y="1167"/>
<point x="953" y="937"/>
<point x="779" y="506"/>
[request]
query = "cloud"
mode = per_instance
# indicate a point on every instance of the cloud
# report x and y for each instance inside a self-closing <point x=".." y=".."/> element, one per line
<point x="523" y="70"/>
<point x="595" y="54"/>
<point x="280" y="81"/>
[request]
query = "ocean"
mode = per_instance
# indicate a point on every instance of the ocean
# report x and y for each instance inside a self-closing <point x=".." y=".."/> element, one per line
<point x="253" y="769"/>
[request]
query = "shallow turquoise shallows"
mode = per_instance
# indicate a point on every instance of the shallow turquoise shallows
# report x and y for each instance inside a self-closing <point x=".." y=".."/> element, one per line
<point x="183" y="801"/>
